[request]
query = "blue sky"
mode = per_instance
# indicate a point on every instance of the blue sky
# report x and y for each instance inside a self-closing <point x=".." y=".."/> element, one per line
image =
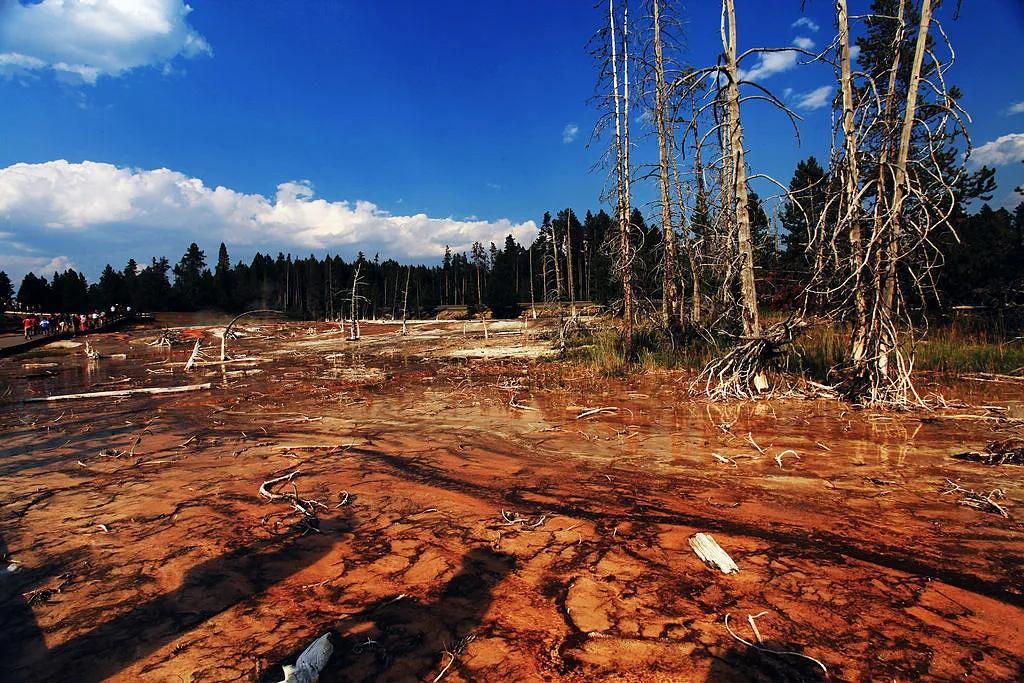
<point x="387" y="126"/>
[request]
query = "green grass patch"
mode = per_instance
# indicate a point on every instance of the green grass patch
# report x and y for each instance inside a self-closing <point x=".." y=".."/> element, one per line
<point x="951" y="349"/>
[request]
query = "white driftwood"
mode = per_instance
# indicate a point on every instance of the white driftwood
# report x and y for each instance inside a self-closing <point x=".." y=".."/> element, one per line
<point x="310" y="663"/>
<point x="193" y="357"/>
<point x="121" y="392"/>
<point x="711" y="553"/>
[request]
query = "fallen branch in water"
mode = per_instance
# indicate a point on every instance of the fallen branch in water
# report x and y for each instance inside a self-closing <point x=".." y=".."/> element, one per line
<point x="514" y="404"/>
<point x="778" y="458"/>
<point x="979" y="501"/>
<point x="307" y="508"/>
<point x="595" y="411"/>
<point x="121" y="392"/>
<point x="1007" y="452"/>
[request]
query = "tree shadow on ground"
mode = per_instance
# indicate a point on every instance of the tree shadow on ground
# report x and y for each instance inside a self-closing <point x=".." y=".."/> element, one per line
<point x="21" y="635"/>
<point x="206" y="590"/>
<point x="405" y="639"/>
<point x="743" y="663"/>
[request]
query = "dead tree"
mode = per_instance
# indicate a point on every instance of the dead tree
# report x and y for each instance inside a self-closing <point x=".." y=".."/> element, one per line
<point x="882" y="341"/>
<point x="622" y="193"/>
<point x="851" y="206"/>
<point x="670" y="289"/>
<point x="568" y="263"/>
<point x="353" y="304"/>
<point x="738" y="166"/>
<point x="533" y="301"/>
<point x="626" y="200"/>
<point x="889" y="214"/>
<point x="728" y="244"/>
<point x="227" y="330"/>
<point x="405" y="301"/>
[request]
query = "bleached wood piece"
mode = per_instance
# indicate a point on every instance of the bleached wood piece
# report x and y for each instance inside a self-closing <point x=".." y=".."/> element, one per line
<point x="711" y="553"/>
<point x="194" y="355"/>
<point x="121" y="392"/>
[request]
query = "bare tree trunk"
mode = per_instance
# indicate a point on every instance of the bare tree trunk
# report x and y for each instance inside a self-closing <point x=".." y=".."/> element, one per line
<point x="533" y="301"/>
<point x="544" y="267"/>
<point x="405" y="300"/>
<point x="669" y="289"/>
<point x="622" y="177"/>
<point x="354" y="328"/>
<point x="687" y="247"/>
<point x="568" y="263"/>
<point x="558" y="272"/>
<point x="887" y="340"/>
<point x="748" y="288"/>
<point x="702" y="210"/>
<point x="852" y="182"/>
<point x="327" y="290"/>
<point x="881" y="210"/>
<point x="479" y="291"/>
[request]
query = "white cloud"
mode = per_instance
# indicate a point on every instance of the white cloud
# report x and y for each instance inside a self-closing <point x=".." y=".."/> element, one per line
<point x="1015" y="108"/>
<point x="815" y="99"/>
<point x="102" y="203"/>
<point x="803" y="43"/>
<point x="82" y="40"/>
<point x="1003" y="150"/>
<point x="804" y="22"/>
<point x="570" y="132"/>
<point x="854" y="52"/>
<point x="768" y="64"/>
<point x="16" y="265"/>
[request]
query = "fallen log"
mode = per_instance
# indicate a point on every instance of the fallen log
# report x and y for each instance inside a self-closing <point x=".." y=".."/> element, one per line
<point x="121" y="392"/>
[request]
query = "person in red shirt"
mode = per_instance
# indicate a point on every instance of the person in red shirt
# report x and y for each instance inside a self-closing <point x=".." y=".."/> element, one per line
<point x="29" y="324"/>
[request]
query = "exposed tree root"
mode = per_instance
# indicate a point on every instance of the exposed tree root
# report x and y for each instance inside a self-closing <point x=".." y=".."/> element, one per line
<point x="744" y="371"/>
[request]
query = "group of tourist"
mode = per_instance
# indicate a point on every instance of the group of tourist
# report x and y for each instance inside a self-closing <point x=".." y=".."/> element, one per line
<point x="47" y="324"/>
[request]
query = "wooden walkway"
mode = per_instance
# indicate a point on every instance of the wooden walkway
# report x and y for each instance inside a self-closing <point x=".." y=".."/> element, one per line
<point x="11" y="344"/>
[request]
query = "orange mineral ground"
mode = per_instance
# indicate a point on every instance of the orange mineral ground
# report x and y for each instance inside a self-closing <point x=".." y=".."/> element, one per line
<point x="459" y="510"/>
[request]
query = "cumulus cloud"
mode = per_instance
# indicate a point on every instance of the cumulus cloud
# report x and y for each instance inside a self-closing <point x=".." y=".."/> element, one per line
<point x="17" y="265"/>
<point x="803" y="43"/>
<point x="100" y="203"/>
<point x="1015" y="108"/>
<point x="81" y="40"/>
<point x="854" y="52"/>
<point x="804" y="22"/>
<point x="768" y="64"/>
<point x="815" y="99"/>
<point x="570" y="132"/>
<point x="1003" y="150"/>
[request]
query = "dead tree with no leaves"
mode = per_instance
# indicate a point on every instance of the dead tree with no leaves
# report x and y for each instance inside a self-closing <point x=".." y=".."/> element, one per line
<point x="729" y="246"/>
<point x="887" y="218"/>
<point x="614" y="101"/>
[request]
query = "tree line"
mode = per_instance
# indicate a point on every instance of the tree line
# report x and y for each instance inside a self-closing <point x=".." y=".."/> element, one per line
<point x="984" y="266"/>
